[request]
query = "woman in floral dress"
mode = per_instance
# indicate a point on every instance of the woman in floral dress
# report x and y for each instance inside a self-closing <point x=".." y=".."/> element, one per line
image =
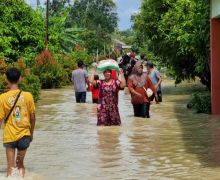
<point x="107" y="110"/>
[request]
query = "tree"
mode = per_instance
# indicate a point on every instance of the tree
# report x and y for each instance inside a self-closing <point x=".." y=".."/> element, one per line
<point x="21" y="32"/>
<point x="62" y="38"/>
<point x="177" y="31"/>
<point x="98" y="17"/>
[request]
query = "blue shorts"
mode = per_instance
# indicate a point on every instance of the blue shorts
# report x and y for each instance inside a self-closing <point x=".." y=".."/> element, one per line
<point x="21" y="144"/>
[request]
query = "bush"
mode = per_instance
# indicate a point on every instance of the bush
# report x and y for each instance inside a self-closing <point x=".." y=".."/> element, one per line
<point x="68" y="64"/>
<point x="49" y="71"/>
<point x="81" y="55"/>
<point x="2" y="84"/>
<point x="31" y="83"/>
<point x="201" y="103"/>
<point x="51" y="75"/>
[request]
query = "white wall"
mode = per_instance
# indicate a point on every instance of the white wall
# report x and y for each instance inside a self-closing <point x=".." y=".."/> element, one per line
<point x="215" y="8"/>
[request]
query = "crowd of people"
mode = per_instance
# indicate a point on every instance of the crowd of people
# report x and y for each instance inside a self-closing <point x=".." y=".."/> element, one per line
<point x="139" y="75"/>
<point x="17" y="108"/>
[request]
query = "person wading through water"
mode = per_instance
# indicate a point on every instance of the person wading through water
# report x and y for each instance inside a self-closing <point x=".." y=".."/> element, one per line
<point x="138" y="83"/>
<point x="17" y="110"/>
<point x="107" y="110"/>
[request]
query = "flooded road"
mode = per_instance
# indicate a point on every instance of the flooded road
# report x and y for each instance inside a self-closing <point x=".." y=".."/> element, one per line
<point x="174" y="143"/>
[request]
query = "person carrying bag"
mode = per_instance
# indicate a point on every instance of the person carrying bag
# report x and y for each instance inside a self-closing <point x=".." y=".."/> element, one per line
<point x="17" y="111"/>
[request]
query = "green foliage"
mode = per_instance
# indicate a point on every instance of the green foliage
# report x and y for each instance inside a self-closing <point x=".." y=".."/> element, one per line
<point x="98" y="18"/>
<point x="2" y="83"/>
<point x="177" y="31"/>
<point x="128" y="36"/>
<point x="70" y="37"/>
<point x="68" y="64"/>
<point x="50" y="72"/>
<point x="135" y="48"/>
<point x="82" y="55"/>
<point x="21" y="32"/>
<point x="62" y="39"/>
<point x="201" y="103"/>
<point x="31" y="83"/>
<point x="51" y="75"/>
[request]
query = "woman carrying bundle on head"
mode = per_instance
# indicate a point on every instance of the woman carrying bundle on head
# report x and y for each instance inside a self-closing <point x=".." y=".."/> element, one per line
<point x="107" y="110"/>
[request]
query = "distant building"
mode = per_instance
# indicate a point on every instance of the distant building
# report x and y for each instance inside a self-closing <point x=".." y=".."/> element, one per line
<point x="120" y="47"/>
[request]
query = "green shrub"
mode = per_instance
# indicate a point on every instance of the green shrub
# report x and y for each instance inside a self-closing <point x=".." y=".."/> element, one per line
<point x="51" y="75"/>
<point x="200" y="102"/>
<point x="80" y="55"/>
<point x="2" y="84"/>
<point x="68" y="64"/>
<point x="31" y="83"/>
<point x="50" y="72"/>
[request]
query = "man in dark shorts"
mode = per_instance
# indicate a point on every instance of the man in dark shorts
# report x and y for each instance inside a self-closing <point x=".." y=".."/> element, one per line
<point x="80" y="79"/>
<point x="17" y="110"/>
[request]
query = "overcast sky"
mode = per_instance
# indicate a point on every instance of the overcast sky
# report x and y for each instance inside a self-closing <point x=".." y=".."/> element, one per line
<point x="125" y="9"/>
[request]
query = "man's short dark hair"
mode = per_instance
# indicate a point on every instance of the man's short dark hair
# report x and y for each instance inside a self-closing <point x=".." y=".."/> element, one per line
<point x="13" y="75"/>
<point x="80" y="64"/>
<point x="142" y="56"/>
<point x="150" y="64"/>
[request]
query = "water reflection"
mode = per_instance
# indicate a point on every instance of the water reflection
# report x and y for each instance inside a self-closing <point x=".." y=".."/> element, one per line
<point x="214" y="149"/>
<point x="109" y="146"/>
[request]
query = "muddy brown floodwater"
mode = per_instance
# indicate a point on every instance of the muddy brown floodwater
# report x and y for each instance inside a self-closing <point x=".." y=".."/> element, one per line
<point x="175" y="143"/>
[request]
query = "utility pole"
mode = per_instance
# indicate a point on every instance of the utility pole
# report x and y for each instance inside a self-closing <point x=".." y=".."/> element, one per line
<point x="38" y="4"/>
<point x="47" y="24"/>
<point x="104" y="50"/>
<point x="97" y="55"/>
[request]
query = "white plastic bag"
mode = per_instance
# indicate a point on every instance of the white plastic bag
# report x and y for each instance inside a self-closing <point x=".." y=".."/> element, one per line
<point x="107" y="64"/>
<point x="148" y="91"/>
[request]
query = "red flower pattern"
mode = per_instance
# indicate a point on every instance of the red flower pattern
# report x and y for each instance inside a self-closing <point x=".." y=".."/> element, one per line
<point x="108" y="113"/>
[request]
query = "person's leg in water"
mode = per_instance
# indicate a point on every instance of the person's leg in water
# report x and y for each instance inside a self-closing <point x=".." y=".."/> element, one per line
<point x="22" y="146"/>
<point x="159" y="94"/>
<point x="137" y="112"/>
<point x="147" y="110"/>
<point x="20" y="162"/>
<point x="95" y="101"/>
<point x="143" y="109"/>
<point x="83" y="97"/>
<point x="10" y="154"/>
<point x="77" y="95"/>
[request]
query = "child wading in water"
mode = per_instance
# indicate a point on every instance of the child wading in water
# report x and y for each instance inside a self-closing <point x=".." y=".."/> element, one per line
<point x="95" y="90"/>
<point x="17" y="111"/>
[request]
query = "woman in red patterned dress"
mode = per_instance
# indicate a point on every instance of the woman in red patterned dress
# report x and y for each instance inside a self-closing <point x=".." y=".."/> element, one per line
<point x="107" y="110"/>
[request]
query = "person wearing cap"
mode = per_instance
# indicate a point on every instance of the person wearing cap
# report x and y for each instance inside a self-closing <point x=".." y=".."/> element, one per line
<point x="80" y="80"/>
<point x="156" y="79"/>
